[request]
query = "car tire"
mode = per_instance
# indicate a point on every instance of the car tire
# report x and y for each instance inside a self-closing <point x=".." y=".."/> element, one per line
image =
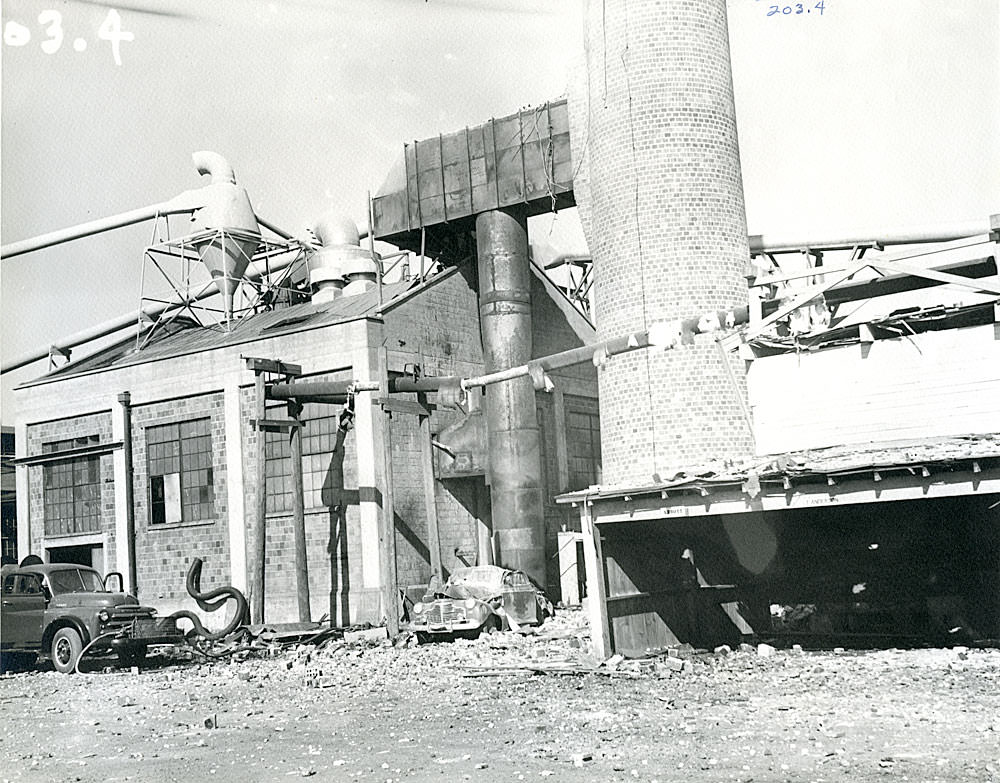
<point x="132" y="655"/>
<point x="66" y="648"/>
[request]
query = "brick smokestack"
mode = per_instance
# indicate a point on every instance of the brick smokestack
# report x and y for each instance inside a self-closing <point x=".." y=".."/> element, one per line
<point x="661" y="196"/>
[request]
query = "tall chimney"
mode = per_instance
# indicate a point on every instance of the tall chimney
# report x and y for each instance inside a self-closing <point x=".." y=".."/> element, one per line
<point x="667" y="227"/>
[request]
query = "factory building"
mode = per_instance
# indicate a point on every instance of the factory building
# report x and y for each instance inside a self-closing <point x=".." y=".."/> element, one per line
<point x="156" y="434"/>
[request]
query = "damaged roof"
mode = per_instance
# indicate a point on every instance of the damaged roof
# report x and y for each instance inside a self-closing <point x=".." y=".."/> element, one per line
<point x="917" y="458"/>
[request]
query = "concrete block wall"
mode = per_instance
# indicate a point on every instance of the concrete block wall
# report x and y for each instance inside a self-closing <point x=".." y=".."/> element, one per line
<point x="438" y="329"/>
<point x="667" y="227"/>
<point x="333" y="535"/>
<point x="165" y="551"/>
<point x="83" y="426"/>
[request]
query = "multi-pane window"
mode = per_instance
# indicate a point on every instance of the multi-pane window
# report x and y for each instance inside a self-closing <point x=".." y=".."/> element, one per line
<point x="319" y="438"/>
<point x="181" y="481"/>
<point x="583" y="444"/>
<point x="71" y="489"/>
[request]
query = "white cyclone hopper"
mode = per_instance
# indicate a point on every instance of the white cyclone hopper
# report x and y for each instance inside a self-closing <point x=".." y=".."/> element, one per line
<point x="341" y="267"/>
<point x="227" y="221"/>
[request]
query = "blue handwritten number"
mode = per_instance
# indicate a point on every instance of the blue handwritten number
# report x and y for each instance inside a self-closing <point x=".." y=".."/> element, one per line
<point x="801" y="9"/>
<point x="820" y="5"/>
<point x="786" y="10"/>
<point x="773" y="10"/>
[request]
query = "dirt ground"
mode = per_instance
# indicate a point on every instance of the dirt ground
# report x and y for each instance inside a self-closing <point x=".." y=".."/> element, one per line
<point x="508" y="707"/>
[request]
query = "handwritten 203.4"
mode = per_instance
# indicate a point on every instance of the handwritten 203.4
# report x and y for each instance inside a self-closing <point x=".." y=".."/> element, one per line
<point x="797" y="8"/>
<point x="51" y="23"/>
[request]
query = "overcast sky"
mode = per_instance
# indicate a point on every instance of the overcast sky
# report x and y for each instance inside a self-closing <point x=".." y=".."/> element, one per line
<point x="862" y="113"/>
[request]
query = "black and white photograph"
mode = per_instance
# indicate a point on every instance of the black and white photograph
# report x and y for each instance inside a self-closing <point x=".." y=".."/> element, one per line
<point x="500" y="390"/>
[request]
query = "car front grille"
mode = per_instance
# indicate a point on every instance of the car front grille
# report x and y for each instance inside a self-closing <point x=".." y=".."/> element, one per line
<point x="124" y="616"/>
<point x="443" y="612"/>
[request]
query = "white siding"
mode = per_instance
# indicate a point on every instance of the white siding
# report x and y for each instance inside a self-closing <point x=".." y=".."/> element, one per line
<point x="926" y="385"/>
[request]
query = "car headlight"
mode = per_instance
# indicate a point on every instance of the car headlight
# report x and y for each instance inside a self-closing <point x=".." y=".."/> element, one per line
<point x="470" y="603"/>
<point x="104" y="615"/>
<point x="418" y="608"/>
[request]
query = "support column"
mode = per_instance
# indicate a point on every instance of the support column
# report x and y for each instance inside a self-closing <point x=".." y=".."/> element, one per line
<point x="512" y="427"/>
<point x="125" y="557"/>
<point x="235" y="482"/>
<point x="597" y="591"/>
<point x="299" y="513"/>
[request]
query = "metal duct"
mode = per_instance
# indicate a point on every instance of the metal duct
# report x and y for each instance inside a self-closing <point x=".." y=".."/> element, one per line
<point x="512" y="429"/>
<point x="230" y="224"/>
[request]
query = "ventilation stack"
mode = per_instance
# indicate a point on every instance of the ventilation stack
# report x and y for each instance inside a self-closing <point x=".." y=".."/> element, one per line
<point x="230" y="227"/>
<point x="667" y="228"/>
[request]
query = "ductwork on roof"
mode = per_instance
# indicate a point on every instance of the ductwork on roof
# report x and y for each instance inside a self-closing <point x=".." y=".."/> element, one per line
<point x="340" y="267"/>
<point x="228" y="220"/>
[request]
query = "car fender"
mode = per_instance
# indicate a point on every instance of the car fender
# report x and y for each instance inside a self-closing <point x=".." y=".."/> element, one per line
<point x="63" y="622"/>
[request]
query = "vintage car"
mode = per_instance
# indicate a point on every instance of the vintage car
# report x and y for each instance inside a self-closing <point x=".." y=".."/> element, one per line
<point x="55" y="610"/>
<point x="475" y="599"/>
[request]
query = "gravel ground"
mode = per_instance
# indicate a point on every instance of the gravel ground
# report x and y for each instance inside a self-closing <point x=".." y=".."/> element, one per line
<point x="508" y="707"/>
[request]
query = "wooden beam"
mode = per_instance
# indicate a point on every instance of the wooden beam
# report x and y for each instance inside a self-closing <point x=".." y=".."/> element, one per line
<point x="597" y="590"/>
<point x="272" y="366"/>
<point x="257" y="532"/>
<point x="427" y="465"/>
<point x="387" y="530"/>
<point x="299" y="516"/>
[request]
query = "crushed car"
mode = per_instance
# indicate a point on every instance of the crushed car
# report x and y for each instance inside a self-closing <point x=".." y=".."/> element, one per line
<point x="477" y="599"/>
<point x="58" y="611"/>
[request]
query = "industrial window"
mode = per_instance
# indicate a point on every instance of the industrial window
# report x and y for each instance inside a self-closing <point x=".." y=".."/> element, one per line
<point x="583" y="444"/>
<point x="181" y="481"/>
<point x="319" y="438"/>
<point x="71" y="489"/>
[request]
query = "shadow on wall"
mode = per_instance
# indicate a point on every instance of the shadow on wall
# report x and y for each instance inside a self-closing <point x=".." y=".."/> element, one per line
<point x="335" y="497"/>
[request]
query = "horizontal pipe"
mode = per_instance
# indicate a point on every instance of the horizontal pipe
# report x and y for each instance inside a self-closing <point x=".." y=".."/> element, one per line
<point x="186" y="202"/>
<point x="778" y="243"/>
<point x="125" y="321"/>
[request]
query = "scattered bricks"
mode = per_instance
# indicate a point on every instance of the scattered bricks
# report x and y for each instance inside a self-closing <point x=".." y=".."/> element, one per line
<point x="366" y="636"/>
<point x="747" y="648"/>
<point x="579" y="759"/>
<point x="325" y="682"/>
<point x="765" y="650"/>
<point x="797" y="648"/>
<point x="723" y="649"/>
<point x="614" y="662"/>
<point x="675" y="664"/>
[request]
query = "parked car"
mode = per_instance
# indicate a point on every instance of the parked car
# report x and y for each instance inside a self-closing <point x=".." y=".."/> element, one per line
<point x="55" y="610"/>
<point x="475" y="599"/>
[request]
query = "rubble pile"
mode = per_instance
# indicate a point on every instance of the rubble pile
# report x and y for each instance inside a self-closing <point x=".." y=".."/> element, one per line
<point x="510" y="706"/>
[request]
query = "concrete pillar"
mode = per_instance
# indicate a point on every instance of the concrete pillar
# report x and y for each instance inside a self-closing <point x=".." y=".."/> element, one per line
<point x="512" y="427"/>
<point x="235" y="501"/>
<point x="365" y="602"/>
<point x="23" y="491"/>
<point x="667" y="228"/>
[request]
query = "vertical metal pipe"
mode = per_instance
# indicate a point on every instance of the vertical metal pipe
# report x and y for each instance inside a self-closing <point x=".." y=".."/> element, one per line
<point x="125" y="398"/>
<point x="299" y="514"/>
<point x="512" y="427"/>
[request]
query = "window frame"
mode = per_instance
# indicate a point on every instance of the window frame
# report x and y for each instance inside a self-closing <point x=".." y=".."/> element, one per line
<point x="71" y="485"/>
<point x="186" y="446"/>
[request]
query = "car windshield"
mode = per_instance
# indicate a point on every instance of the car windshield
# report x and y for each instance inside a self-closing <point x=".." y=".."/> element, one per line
<point x="75" y="580"/>
<point x="483" y="582"/>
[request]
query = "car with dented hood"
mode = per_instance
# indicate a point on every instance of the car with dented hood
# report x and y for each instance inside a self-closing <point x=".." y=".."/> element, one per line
<point x="57" y="611"/>
<point x="476" y="599"/>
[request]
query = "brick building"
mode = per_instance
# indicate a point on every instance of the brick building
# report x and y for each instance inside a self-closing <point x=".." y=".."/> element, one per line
<point x="193" y="451"/>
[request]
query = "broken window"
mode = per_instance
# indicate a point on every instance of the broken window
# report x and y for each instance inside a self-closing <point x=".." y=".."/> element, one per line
<point x="319" y="471"/>
<point x="71" y="489"/>
<point x="181" y="478"/>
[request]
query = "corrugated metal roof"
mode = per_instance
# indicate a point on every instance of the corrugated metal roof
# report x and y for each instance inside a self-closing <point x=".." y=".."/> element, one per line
<point x="182" y="336"/>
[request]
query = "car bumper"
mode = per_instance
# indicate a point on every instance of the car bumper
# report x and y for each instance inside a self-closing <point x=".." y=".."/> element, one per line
<point x="446" y="627"/>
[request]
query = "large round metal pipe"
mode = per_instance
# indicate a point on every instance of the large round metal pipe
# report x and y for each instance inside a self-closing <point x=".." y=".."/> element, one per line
<point x="512" y="428"/>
